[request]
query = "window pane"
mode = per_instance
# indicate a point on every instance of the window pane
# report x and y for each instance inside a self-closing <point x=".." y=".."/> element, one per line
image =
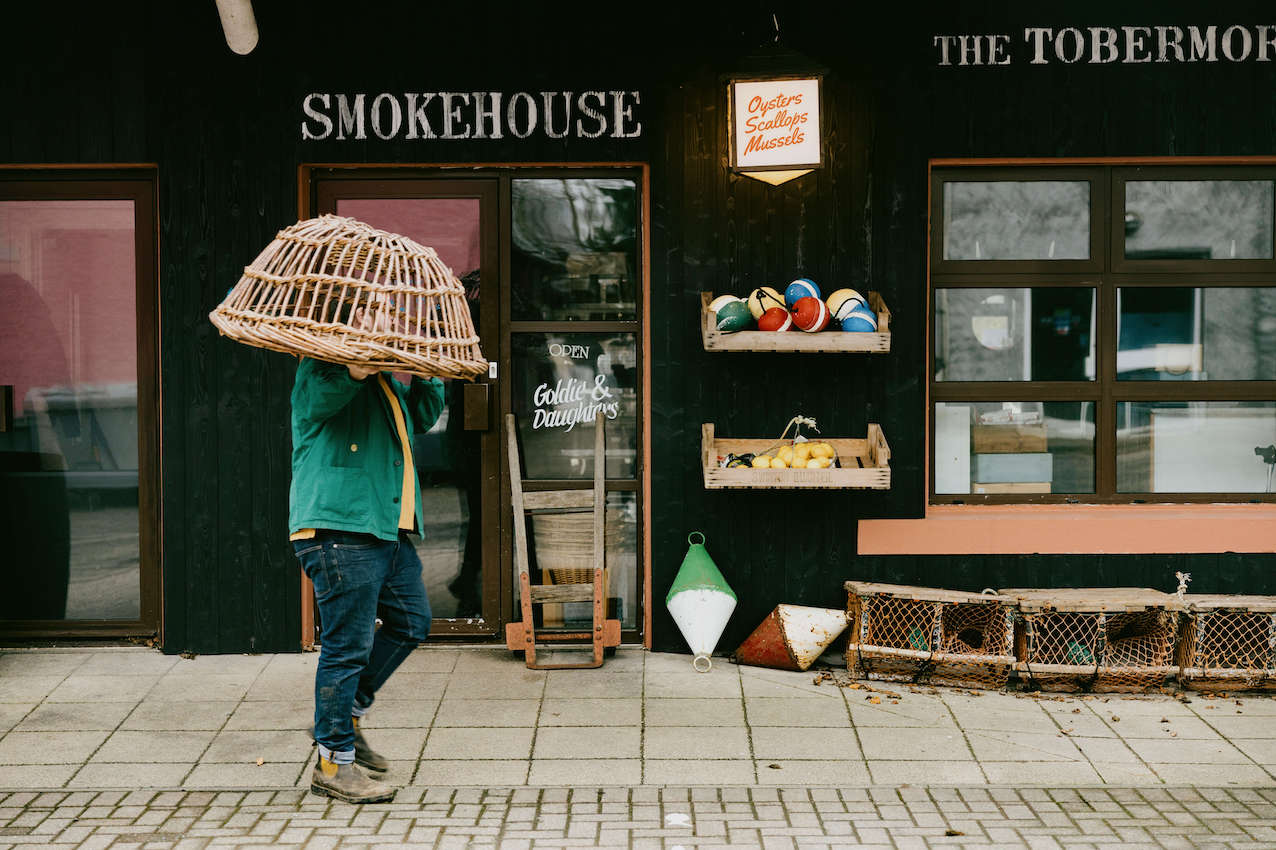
<point x="561" y="380"/>
<point x="69" y="464"/>
<point x="1198" y="219"/>
<point x="1195" y="447"/>
<point x="1044" y="334"/>
<point x="988" y="448"/>
<point x="1187" y="334"/>
<point x="574" y="249"/>
<point x="1017" y="220"/>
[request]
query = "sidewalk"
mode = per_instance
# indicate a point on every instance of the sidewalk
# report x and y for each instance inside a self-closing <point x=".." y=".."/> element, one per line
<point x="473" y="731"/>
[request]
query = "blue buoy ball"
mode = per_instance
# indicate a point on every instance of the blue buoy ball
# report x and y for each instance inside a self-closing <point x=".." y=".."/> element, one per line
<point x="801" y="288"/>
<point x="860" y="320"/>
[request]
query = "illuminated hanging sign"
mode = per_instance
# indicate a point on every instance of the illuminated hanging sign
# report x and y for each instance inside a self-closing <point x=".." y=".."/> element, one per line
<point x="775" y="127"/>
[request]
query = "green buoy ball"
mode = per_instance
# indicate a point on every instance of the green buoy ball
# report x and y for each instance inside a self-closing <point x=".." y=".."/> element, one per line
<point x="734" y="316"/>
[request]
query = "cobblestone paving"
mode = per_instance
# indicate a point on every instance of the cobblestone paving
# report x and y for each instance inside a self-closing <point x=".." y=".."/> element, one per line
<point x="649" y="817"/>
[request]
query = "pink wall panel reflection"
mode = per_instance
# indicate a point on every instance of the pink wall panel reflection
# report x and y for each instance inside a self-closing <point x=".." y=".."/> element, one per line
<point x="67" y="295"/>
<point x="448" y="225"/>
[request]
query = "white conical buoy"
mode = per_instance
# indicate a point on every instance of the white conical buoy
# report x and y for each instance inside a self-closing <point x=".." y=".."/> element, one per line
<point x="700" y="602"/>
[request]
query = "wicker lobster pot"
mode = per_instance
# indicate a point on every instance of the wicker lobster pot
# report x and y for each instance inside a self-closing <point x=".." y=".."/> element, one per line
<point x="1117" y="639"/>
<point x="1229" y="643"/>
<point x="922" y="634"/>
<point x="339" y="290"/>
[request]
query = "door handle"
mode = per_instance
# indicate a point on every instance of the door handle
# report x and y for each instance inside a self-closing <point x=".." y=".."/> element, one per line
<point x="6" y="408"/>
<point x="477" y="404"/>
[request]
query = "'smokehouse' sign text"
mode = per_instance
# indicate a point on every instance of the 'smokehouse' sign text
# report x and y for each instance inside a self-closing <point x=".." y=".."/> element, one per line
<point x="453" y="115"/>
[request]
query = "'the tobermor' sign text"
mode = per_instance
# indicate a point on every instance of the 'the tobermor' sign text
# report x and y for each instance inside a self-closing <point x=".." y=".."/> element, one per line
<point x="1110" y="45"/>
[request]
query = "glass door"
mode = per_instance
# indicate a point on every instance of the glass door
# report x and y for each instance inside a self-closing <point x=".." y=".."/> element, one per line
<point x="457" y="460"/>
<point x="78" y="416"/>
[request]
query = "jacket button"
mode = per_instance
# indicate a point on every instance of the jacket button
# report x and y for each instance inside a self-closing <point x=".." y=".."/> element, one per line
<point x="396" y="500"/>
<point x="398" y="463"/>
<point x="354" y="447"/>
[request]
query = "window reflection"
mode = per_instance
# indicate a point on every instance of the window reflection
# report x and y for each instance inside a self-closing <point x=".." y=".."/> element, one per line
<point x="1021" y="448"/>
<point x="69" y="463"/>
<point x="1196" y="334"/>
<point x="1198" y="219"/>
<point x="1017" y="220"/>
<point x="1043" y="334"/>
<point x="574" y="249"/>
<point x="1196" y="447"/>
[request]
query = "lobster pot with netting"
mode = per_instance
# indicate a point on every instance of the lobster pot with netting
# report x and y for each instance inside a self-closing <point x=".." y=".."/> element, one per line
<point x="1229" y="643"/>
<point x="339" y="290"/>
<point x="922" y="634"/>
<point x="1103" y="639"/>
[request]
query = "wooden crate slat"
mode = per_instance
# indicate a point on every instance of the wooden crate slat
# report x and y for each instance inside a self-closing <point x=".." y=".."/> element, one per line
<point x="922" y="594"/>
<point x="1091" y="599"/>
<point x="826" y="341"/>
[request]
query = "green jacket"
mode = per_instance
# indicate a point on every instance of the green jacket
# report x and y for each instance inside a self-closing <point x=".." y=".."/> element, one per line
<point x="347" y="459"/>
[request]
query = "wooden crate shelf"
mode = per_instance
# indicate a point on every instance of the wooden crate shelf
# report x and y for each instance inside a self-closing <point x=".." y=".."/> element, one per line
<point x="865" y="465"/>
<point x="830" y="341"/>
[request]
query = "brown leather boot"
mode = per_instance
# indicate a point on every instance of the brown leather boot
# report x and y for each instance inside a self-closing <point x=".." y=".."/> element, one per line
<point x="365" y="756"/>
<point x="348" y="783"/>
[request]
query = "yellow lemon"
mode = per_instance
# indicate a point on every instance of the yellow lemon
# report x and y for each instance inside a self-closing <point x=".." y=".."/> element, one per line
<point x="802" y="451"/>
<point x="799" y="463"/>
<point x="785" y="453"/>
<point x="761" y="462"/>
<point x="779" y="463"/>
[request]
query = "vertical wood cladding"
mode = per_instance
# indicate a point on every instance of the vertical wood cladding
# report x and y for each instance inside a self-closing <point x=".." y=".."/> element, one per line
<point x="158" y="84"/>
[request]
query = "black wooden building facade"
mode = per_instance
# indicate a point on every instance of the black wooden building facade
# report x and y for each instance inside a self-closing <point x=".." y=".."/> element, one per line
<point x="156" y="83"/>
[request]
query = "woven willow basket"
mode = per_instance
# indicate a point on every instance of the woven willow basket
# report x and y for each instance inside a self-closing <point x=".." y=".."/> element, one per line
<point x="339" y="290"/>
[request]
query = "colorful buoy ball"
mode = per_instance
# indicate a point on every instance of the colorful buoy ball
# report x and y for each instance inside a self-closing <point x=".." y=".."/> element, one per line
<point x="734" y="316"/>
<point x="762" y="299"/>
<point x="775" y="319"/>
<point x="716" y="304"/>
<point x="861" y="320"/>
<point x="810" y="314"/>
<point x="801" y="288"/>
<point x="843" y="301"/>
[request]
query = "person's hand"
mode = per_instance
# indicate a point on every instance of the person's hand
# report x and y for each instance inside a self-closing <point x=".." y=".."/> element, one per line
<point x="359" y="373"/>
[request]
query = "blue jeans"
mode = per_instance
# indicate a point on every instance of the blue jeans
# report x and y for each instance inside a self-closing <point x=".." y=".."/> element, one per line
<point x="358" y="578"/>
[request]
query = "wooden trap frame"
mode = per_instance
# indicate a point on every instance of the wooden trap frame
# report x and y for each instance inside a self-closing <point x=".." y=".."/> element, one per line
<point x="337" y="289"/>
<point x="1229" y="643"/>
<point x="1103" y="639"/>
<point x="928" y="635"/>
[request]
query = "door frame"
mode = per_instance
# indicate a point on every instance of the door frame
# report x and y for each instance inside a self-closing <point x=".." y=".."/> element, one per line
<point x="139" y="183"/>
<point x="485" y="190"/>
<point x="308" y="174"/>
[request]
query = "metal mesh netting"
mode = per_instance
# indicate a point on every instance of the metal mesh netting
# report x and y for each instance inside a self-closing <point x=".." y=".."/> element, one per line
<point x="1230" y="650"/>
<point x="939" y="642"/>
<point x="1138" y="649"/>
<point x="900" y="623"/>
<point x="974" y="646"/>
<point x="1067" y="642"/>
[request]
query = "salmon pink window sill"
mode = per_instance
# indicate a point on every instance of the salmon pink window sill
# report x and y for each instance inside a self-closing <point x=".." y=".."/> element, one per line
<point x="1073" y="529"/>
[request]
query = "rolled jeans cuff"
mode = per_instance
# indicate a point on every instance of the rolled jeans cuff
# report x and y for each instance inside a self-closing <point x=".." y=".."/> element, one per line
<point x="337" y="756"/>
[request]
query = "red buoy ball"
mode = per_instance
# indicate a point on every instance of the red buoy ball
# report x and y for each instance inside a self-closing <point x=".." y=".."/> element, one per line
<point x="810" y="314"/>
<point x="775" y="319"/>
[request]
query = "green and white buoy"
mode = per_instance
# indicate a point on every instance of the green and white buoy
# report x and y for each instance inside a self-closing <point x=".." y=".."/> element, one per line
<point x="700" y="602"/>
